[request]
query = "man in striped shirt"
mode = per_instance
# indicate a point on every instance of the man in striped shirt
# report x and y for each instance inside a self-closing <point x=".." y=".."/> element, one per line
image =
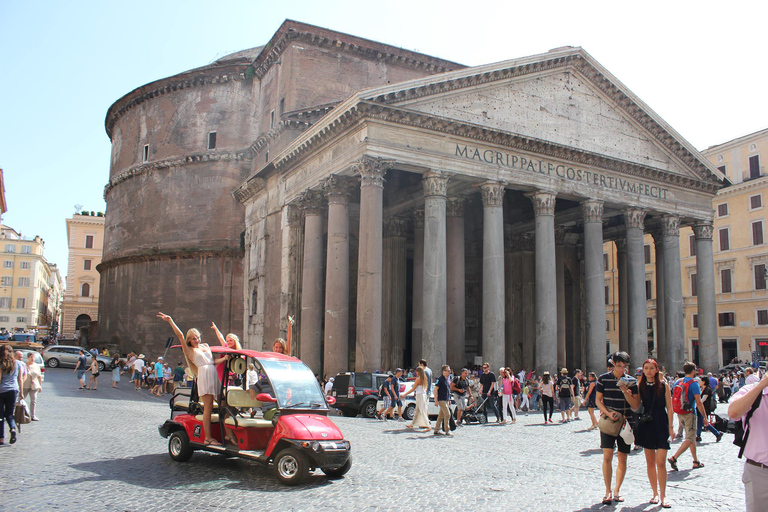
<point x="615" y="397"/>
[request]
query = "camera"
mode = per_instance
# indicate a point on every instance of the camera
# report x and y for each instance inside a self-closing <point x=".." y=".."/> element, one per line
<point x="645" y="419"/>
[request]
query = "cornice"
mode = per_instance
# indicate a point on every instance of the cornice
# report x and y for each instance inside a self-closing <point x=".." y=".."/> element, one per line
<point x="405" y="117"/>
<point x="176" y="254"/>
<point x="761" y="182"/>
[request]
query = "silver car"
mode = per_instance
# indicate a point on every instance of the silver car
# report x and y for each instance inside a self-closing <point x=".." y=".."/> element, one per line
<point x="66" y="356"/>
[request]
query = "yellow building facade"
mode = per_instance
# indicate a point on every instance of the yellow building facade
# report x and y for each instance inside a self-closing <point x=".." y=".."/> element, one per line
<point x="85" y="235"/>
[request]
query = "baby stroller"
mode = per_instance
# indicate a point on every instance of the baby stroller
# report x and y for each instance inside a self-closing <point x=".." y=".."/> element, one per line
<point x="474" y="411"/>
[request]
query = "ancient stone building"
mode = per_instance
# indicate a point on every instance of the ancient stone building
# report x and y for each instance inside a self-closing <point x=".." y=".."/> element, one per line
<point x="398" y="205"/>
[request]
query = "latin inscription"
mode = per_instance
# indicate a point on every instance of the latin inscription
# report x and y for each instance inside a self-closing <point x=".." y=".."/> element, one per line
<point x="564" y="172"/>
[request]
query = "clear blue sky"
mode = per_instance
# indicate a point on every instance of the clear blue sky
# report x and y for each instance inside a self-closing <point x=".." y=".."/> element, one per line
<point x="64" y="63"/>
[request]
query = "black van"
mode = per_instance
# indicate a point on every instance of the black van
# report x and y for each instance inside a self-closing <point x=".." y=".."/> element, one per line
<point x="357" y="393"/>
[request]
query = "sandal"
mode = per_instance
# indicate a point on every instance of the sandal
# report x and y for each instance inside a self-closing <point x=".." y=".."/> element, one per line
<point x="666" y="504"/>
<point x="654" y="500"/>
<point x="618" y="498"/>
<point x="607" y="499"/>
<point x="697" y="464"/>
<point x="673" y="463"/>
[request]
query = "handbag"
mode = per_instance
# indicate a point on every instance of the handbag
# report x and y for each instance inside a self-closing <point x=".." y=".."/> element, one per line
<point x="21" y="413"/>
<point x="610" y="427"/>
<point x="626" y="433"/>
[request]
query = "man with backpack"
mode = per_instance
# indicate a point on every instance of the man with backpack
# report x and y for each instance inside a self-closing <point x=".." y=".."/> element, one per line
<point x="750" y="406"/>
<point x="686" y="396"/>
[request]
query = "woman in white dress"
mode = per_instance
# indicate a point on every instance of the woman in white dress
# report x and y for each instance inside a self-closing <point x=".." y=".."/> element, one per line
<point x="419" y="390"/>
<point x="201" y="364"/>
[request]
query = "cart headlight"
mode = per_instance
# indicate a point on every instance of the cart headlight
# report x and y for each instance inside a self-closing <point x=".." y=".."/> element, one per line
<point x="347" y="445"/>
<point x="316" y="446"/>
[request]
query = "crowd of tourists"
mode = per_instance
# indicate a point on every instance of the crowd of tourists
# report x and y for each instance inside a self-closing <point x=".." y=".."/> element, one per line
<point x="21" y="381"/>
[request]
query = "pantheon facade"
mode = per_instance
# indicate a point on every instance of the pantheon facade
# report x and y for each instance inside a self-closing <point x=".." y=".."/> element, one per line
<point x="401" y="206"/>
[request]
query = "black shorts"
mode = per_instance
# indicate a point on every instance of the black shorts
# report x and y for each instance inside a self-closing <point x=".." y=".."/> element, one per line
<point x="610" y="442"/>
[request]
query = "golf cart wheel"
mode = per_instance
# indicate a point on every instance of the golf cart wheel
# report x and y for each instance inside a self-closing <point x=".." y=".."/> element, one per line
<point x="481" y="418"/>
<point x="101" y="366"/>
<point x="409" y="412"/>
<point x="53" y="363"/>
<point x="178" y="446"/>
<point x="338" y="472"/>
<point x="291" y="466"/>
<point x="369" y="409"/>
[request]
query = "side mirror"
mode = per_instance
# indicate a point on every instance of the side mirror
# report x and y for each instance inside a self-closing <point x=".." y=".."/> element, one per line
<point x="331" y="400"/>
<point x="265" y="398"/>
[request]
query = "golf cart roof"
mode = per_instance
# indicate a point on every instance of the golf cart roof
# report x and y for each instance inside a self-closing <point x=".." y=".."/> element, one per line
<point x="269" y="356"/>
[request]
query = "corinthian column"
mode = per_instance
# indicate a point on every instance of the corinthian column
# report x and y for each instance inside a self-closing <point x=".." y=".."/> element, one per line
<point x="418" y="286"/>
<point x="661" y="313"/>
<point x="368" y="350"/>
<point x="492" y="194"/>
<point x="312" y="282"/>
<point x="546" y="285"/>
<point x="705" y="296"/>
<point x="393" y="314"/>
<point x="621" y="267"/>
<point x="637" y="310"/>
<point x="594" y="283"/>
<point x="673" y="293"/>
<point x="336" y="346"/>
<point x="434" y="312"/>
<point x="455" y="281"/>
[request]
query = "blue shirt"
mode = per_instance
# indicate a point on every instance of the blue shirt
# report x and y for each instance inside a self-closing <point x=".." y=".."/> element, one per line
<point x="693" y="389"/>
<point x="158" y="370"/>
<point x="443" y="388"/>
<point x="10" y="381"/>
<point x="395" y="382"/>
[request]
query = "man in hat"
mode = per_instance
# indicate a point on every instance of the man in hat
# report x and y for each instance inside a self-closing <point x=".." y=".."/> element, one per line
<point x="138" y="371"/>
<point x="157" y="389"/>
<point x="564" y="388"/>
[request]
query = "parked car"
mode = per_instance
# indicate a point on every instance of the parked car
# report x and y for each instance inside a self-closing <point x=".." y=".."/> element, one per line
<point x="409" y="403"/>
<point x="24" y="336"/>
<point x="357" y="393"/>
<point x="66" y="356"/>
<point x="733" y="367"/>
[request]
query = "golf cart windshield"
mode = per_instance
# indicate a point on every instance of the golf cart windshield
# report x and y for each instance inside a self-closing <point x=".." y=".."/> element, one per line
<point x="294" y="385"/>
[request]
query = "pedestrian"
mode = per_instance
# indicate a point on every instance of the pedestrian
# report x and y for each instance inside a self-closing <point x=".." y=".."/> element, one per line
<point x="138" y="371"/>
<point x="167" y="377"/>
<point x="686" y="398"/>
<point x="535" y="388"/>
<point x="202" y="364"/>
<point x="489" y="393"/>
<point x="157" y="388"/>
<point x="428" y="374"/>
<point x="654" y="428"/>
<point x="419" y="390"/>
<point x="577" y="387"/>
<point x="708" y="399"/>
<point x="442" y="399"/>
<point x="33" y="384"/>
<point x="178" y="375"/>
<point x="525" y="404"/>
<point x="507" y="402"/>
<point x="80" y="368"/>
<point x="393" y="392"/>
<point x="460" y="388"/>
<point x="283" y="346"/>
<point x="589" y="398"/>
<point x="755" y="475"/>
<point x="547" y="396"/>
<point x="115" y="367"/>
<point x="564" y="387"/>
<point x="329" y="386"/>
<point x="93" y="383"/>
<point x="616" y="397"/>
<point x="11" y="389"/>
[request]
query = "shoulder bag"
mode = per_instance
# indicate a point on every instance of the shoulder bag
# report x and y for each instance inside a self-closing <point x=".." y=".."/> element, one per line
<point x="610" y="427"/>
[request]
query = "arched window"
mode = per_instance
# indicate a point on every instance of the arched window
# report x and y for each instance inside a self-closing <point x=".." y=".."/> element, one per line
<point x="86" y="290"/>
<point x="82" y="321"/>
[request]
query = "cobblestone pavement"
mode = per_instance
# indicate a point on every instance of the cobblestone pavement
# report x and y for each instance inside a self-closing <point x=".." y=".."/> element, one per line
<point x="100" y="450"/>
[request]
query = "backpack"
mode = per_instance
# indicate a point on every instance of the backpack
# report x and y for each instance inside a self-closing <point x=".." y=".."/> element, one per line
<point x="680" y="402"/>
<point x="516" y="387"/>
<point x="565" y="388"/>
<point x="742" y="433"/>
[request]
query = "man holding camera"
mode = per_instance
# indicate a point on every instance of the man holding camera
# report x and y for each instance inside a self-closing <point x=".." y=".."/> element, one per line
<point x="683" y="402"/>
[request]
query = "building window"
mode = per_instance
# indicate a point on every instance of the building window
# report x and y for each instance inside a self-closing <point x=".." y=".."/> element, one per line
<point x="754" y="166"/>
<point x="7" y="281"/>
<point x="725" y="281"/>
<point x="211" y="140"/>
<point x="648" y="290"/>
<point x="8" y="264"/>
<point x="10" y="248"/>
<point x="24" y="265"/>
<point x="607" y="325"/>
<point x="722" y="210"/>
<point x="86" y="264"/>
<point x="607" y="296"/>
<point x="271" y="119"/>
<point x="4" y="318"/>
<point x="21" y="303"/>
<point x="145" y="154"/>
<point x="5" y="302"/>
<point x="86" y="290"/>
<point x="26" y="249"/>
<point x="649" y="323"/>
<point x="605" y="262"/>
<point x="725" y="239"/>
<point x="760" y="277"/>
<point x="282" y="106"/>
<point x="89" y="241"/>
<point x="695" y="320"/>
<point x="21" y="319"/>
<point x="23" y="281"/>
<point x="757" y="233"/>
<point x="647" y="254"/>
<point x="762" y="317"/>
<point x="693" y="285"/>
<point x="726" y="319"/>
<point x="756" y="202"/>
<point x="692" y="245"/>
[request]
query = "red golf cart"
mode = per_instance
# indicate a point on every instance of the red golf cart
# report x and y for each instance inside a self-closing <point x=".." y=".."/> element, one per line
<point x="286" y="426"/>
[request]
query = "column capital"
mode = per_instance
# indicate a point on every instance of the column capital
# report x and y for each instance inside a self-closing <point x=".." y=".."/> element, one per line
<point x="703" y="230"/>
<point x="543" y="202"/>
<point x="435" y="183"/>
<point x="454" y="207"/>
<point x="372" y="170"/>
<point x="418" y="218"/>
<point x="492" y="193"/>
<point x="635" y="218"/>
<point x="338" y="188"/>
<point x="670" y="225"/>
<point x="396" y="227"/>
<point x="312" y="202"/>
<point x="621" y="245"/>
<point x="592" y="210"/>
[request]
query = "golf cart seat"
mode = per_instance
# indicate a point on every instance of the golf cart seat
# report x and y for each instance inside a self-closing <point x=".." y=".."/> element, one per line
<point x="214" y="418"/>
<point x="240" y="399"/>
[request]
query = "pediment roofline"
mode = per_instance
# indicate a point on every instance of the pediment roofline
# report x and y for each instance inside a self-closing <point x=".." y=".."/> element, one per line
<point x="569" y="57"/>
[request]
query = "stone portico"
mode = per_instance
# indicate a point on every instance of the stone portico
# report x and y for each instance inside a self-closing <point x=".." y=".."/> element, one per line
<point x="464" y="214"/>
